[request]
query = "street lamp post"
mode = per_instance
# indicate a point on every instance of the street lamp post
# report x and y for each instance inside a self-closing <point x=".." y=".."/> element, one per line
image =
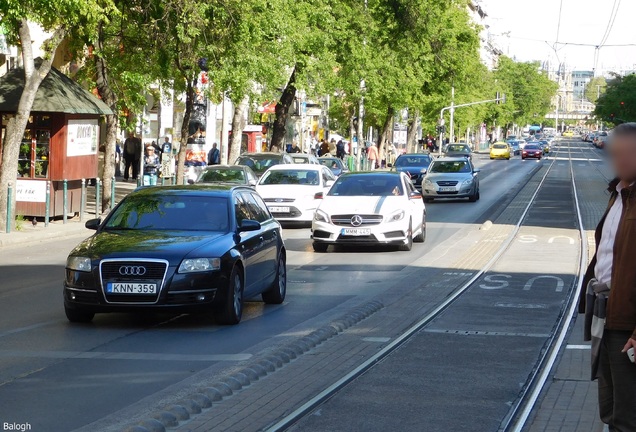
<point x="451" y="133"/>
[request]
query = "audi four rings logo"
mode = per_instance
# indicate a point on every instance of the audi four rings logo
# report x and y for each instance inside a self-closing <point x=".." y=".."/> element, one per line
<point x="356" y="220"/>
<point x="132" y="270"/>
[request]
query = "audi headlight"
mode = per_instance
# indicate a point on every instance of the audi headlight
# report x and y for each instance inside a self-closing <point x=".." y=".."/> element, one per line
<point x="193" y="265"/>
<point x="82" y="264"/>
<point x="321" y="216"/>
<point x="397" y="216"/>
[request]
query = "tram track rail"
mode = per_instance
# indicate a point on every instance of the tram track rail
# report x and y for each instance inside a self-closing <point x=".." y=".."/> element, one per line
<point x="520" y="411"/>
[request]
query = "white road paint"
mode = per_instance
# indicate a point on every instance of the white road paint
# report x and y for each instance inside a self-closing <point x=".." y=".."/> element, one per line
<point x="559" y="282"/>
<point x="496" y="279"/>
<point x="569" y="239"/>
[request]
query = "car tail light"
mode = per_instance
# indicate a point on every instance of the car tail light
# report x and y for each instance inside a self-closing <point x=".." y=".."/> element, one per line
<point x="319" y="195"/>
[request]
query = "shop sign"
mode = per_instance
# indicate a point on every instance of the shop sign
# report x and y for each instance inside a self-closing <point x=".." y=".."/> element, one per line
<point x="81" y="137"/>
<point x="30" y="191"/>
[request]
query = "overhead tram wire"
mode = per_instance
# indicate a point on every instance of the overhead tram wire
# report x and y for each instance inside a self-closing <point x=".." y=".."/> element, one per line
<point x="608" y="30"/>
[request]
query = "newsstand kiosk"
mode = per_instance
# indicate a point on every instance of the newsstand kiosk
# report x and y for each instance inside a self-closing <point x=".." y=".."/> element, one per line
<point x="60" y="146"/>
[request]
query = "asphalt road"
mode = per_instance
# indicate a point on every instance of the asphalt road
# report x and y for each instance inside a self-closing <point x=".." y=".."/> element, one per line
<point x="60" y="377"/>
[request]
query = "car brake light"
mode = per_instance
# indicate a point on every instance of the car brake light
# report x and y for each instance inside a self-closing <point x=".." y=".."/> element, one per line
<point x="319" y="195"/>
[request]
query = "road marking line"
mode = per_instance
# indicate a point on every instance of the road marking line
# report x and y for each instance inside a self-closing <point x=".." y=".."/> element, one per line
<point x="26" y="328"/>
<point x="376" y="339"/>
<point x="104" y="355"/>
<point x="579" y="347"/>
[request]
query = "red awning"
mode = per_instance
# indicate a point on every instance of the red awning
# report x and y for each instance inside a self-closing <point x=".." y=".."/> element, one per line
<point x="267" y="108"/>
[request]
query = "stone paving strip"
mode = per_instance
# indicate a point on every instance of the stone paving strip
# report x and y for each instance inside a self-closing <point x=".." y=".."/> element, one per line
<point x="264" y="391"/>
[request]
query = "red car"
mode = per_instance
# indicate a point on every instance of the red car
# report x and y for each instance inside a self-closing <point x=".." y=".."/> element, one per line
<point x="532" y="151"/>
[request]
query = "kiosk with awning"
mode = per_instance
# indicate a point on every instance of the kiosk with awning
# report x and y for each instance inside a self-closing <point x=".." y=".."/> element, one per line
<point x="60" y="144"/>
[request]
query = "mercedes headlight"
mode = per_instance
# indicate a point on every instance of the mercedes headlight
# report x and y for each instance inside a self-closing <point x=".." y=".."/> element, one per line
<point x="193" y="265"/>
<point x="321" y="216"/>
<point x="77" y="263"/>
<point x="397" y="216"/>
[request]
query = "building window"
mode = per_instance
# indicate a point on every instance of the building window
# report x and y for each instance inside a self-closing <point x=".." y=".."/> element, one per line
<point x="33" y="159"/>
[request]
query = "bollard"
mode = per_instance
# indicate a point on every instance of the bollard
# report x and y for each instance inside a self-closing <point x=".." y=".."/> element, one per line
<point x="9" y="200"/>
<point x="65" y="201"/>
<point x="47" y="211"/>
<point x="112" y="193"/>
<point x="82" y="200"/>
<point x="98" y="202"/>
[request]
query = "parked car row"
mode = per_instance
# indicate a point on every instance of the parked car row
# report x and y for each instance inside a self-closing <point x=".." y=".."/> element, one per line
<point x="599" y="139"/>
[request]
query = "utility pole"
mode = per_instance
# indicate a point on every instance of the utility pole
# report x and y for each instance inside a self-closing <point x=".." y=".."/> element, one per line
<point x="360" y="132"/>
<point x="556" y="118"/>
<point x="451" y="133"/>
<point x="225" y="133"/>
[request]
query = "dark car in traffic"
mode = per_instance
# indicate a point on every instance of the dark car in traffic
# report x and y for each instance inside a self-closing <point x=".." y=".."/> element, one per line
<point x="532" y="151"/>
<point x="414" y="165"/>
<point x="261" y="162"/>
<point x="233" y="174"/>
<point x="458" y="150"/>
<point x="181" y="249"/>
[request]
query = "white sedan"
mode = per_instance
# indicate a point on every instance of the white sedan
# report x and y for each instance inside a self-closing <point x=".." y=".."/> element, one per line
<point x="370" y="208"/>
<point x="292" y="192"/>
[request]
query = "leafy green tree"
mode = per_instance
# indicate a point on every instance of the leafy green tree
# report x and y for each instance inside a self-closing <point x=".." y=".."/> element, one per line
<point x="618" y="104"/>
<point x="530" y="89"/>
<point x="595" y="88"/>
<point x="62" y="19"/>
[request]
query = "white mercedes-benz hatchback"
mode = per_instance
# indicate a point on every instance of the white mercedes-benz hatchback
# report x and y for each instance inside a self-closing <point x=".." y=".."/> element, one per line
<point x="370" y="208"/>
<point x="292" y="192"/>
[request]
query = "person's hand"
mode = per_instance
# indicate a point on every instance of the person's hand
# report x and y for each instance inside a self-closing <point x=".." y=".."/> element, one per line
<point x="631" y="343"/>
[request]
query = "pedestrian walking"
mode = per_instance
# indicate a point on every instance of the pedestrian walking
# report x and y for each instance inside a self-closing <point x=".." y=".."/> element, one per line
<point x="372" y="157"/>
<point x="132" y="155"/>
<point x="214" y="155"/>
<point x="324" y="148"/>
<point x="340" y="150"/>
<point x="151" y="166"/>
<point x="608" y="297"/>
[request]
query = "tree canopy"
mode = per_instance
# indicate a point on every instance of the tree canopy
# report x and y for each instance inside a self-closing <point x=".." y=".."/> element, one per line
<point x="618" y="104"/>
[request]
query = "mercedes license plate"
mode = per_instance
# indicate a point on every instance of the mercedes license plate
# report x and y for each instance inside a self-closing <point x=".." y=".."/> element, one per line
<point x="131" y="288"/>
<point x="356" y="231"/>
<point x="447" y="189"/>
<point x="279" y="209"/>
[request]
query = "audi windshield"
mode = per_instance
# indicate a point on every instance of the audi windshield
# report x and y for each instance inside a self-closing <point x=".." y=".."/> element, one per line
<point x="170" y="213"/>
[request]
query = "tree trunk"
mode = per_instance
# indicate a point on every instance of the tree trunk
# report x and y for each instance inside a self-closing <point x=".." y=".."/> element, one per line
<point x="238" y="124"/>
<point x="109" y="98"/>
<point x="385" y="132"/>
<point x="282" y="112"/>
<point x="185" y="131"/>
<point x="411" y="133"/>
<point x="16" y="125"/>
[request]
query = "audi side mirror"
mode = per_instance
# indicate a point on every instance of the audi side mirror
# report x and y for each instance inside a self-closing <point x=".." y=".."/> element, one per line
<point x="249" y="225"/>
<point x="93" y="224"/>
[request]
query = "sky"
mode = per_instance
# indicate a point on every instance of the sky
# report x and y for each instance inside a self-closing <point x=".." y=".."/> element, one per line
<point x="582" y="21"/>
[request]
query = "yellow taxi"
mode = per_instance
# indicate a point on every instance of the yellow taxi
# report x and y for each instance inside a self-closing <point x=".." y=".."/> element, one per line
<point x="568" y="134"/>
<point x="500" y="150"/>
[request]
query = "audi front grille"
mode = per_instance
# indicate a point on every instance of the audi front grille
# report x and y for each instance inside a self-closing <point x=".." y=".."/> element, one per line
<point x="361" y="220"/>
<point x="151" y="271"/>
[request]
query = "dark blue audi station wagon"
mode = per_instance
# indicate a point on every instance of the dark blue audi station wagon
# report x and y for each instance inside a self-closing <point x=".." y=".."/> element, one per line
<point x="184" y="249"/>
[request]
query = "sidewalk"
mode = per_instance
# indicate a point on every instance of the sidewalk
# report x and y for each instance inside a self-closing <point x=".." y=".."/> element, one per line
<point x="570" y="403"/>
<point x="30" y="234"/>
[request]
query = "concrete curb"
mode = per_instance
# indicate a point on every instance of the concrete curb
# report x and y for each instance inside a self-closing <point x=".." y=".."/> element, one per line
<point x="185" y="409"/>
